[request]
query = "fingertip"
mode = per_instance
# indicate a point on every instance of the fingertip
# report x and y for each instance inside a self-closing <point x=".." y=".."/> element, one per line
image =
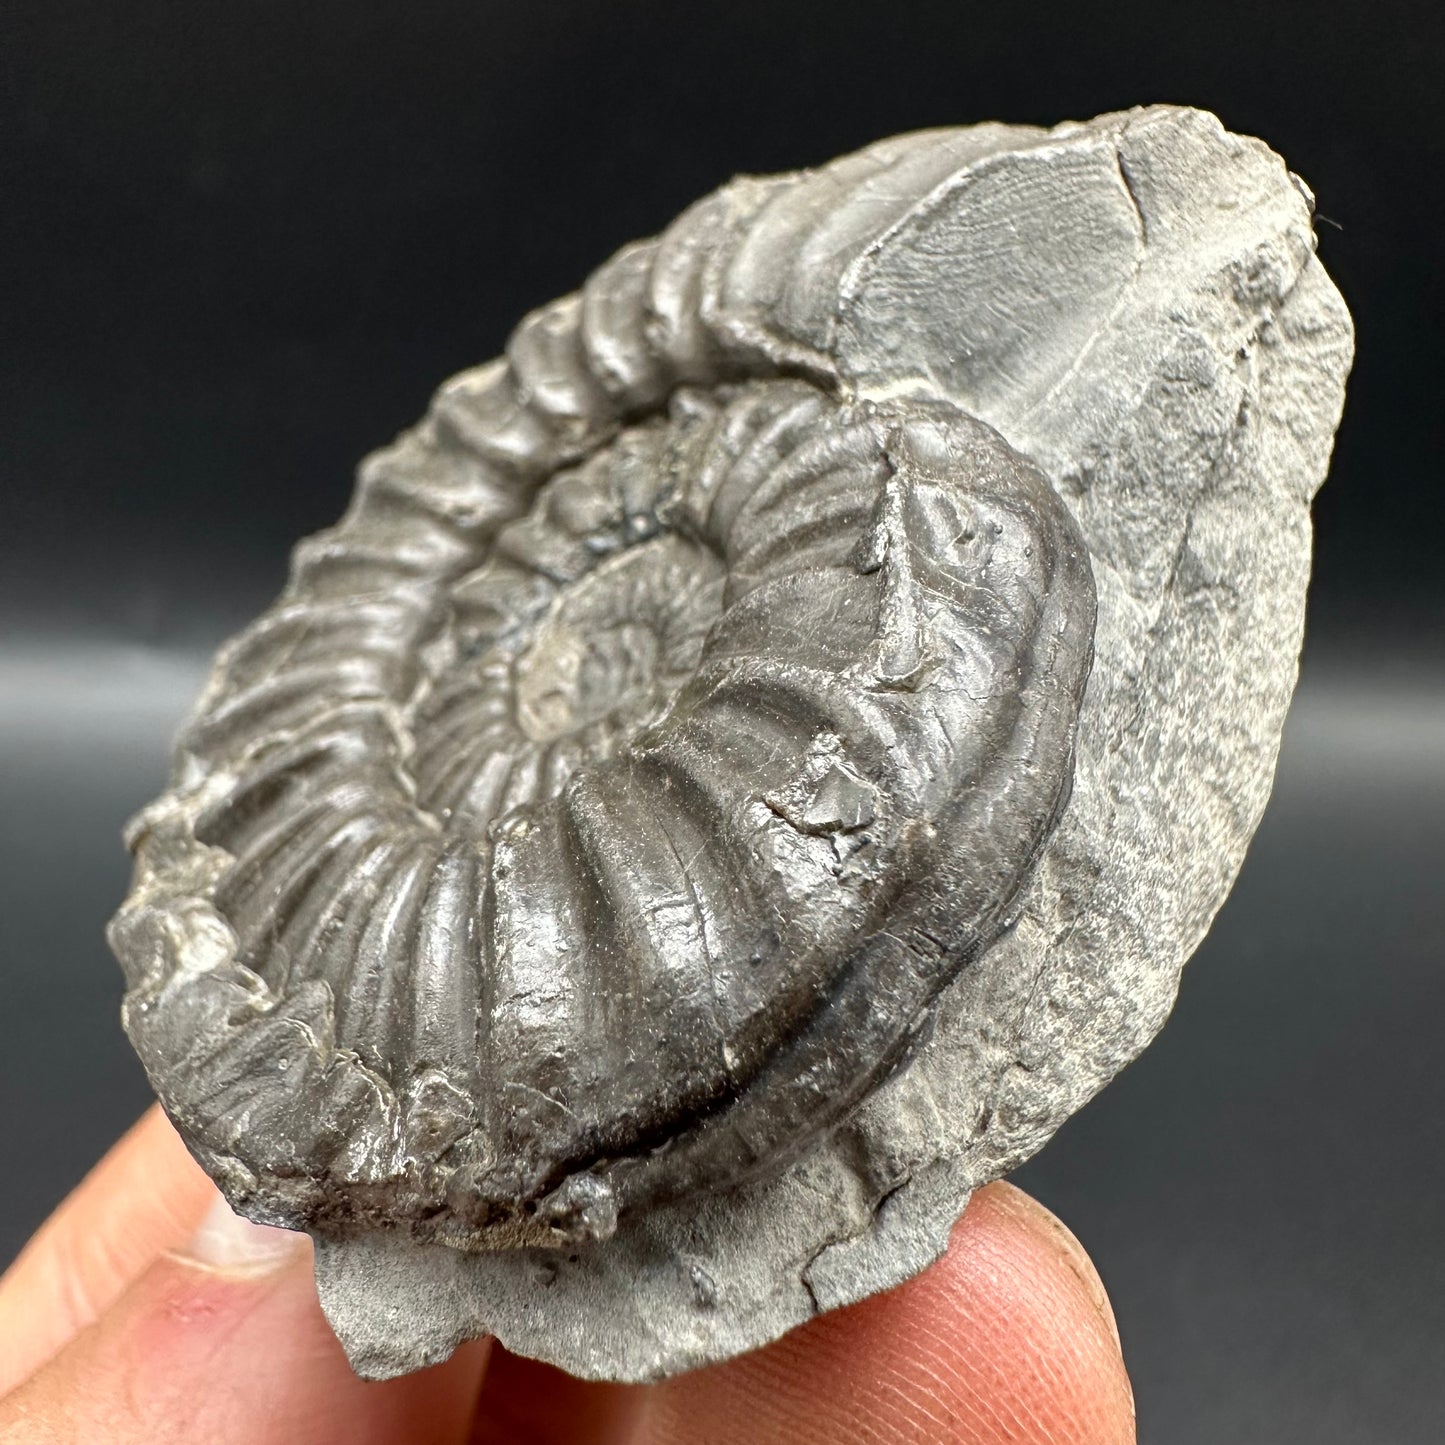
<point x="1050" y="1234"/>
<point x="1032" y="1329"/>
<point x="1007" y="1338"/>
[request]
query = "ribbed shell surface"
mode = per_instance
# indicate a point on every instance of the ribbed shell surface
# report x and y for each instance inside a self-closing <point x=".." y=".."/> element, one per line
<point x="602" y="808"/>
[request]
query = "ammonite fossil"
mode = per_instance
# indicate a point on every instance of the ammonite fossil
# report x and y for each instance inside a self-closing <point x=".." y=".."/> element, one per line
<point x="631" y="872"/>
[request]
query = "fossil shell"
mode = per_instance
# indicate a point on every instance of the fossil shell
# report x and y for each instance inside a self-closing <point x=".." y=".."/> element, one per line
<point x="617" y="850"/>
<point x="619" y="795"/>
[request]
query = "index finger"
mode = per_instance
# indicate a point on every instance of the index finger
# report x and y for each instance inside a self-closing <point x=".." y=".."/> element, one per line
<point x="1007" y="1338"/>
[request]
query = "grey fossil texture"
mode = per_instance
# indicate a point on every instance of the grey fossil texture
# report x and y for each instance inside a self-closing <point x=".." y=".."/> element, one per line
<point x="755" y="758"/>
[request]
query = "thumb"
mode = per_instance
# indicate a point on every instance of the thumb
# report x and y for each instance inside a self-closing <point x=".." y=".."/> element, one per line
<point x="222" y="1340"/>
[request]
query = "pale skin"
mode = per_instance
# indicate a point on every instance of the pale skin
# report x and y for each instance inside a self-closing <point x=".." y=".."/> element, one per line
<point x="143" y="1311"/>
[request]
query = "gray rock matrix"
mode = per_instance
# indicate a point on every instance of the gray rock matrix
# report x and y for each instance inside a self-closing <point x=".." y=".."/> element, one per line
<point x="870" y="452"/>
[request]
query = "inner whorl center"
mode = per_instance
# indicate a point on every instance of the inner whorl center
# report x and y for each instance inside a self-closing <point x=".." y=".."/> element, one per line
<point x="619" y="641"/>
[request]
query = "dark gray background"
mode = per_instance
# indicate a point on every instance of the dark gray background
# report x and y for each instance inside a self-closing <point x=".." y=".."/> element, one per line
<point x="239" y="245"/>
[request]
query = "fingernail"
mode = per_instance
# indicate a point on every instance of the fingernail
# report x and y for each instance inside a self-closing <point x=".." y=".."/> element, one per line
<point x="227" y="1242"/>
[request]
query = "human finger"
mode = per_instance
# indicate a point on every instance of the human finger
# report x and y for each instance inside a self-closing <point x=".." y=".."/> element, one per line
<point x="1008" y="1338"/>
<point x="524" y="1402"/>
<point x="223" y="1340"/>
<point x="144" y="1196"/>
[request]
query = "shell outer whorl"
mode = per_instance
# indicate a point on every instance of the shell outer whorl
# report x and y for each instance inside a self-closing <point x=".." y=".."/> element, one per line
<point x="601" y="809"/>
